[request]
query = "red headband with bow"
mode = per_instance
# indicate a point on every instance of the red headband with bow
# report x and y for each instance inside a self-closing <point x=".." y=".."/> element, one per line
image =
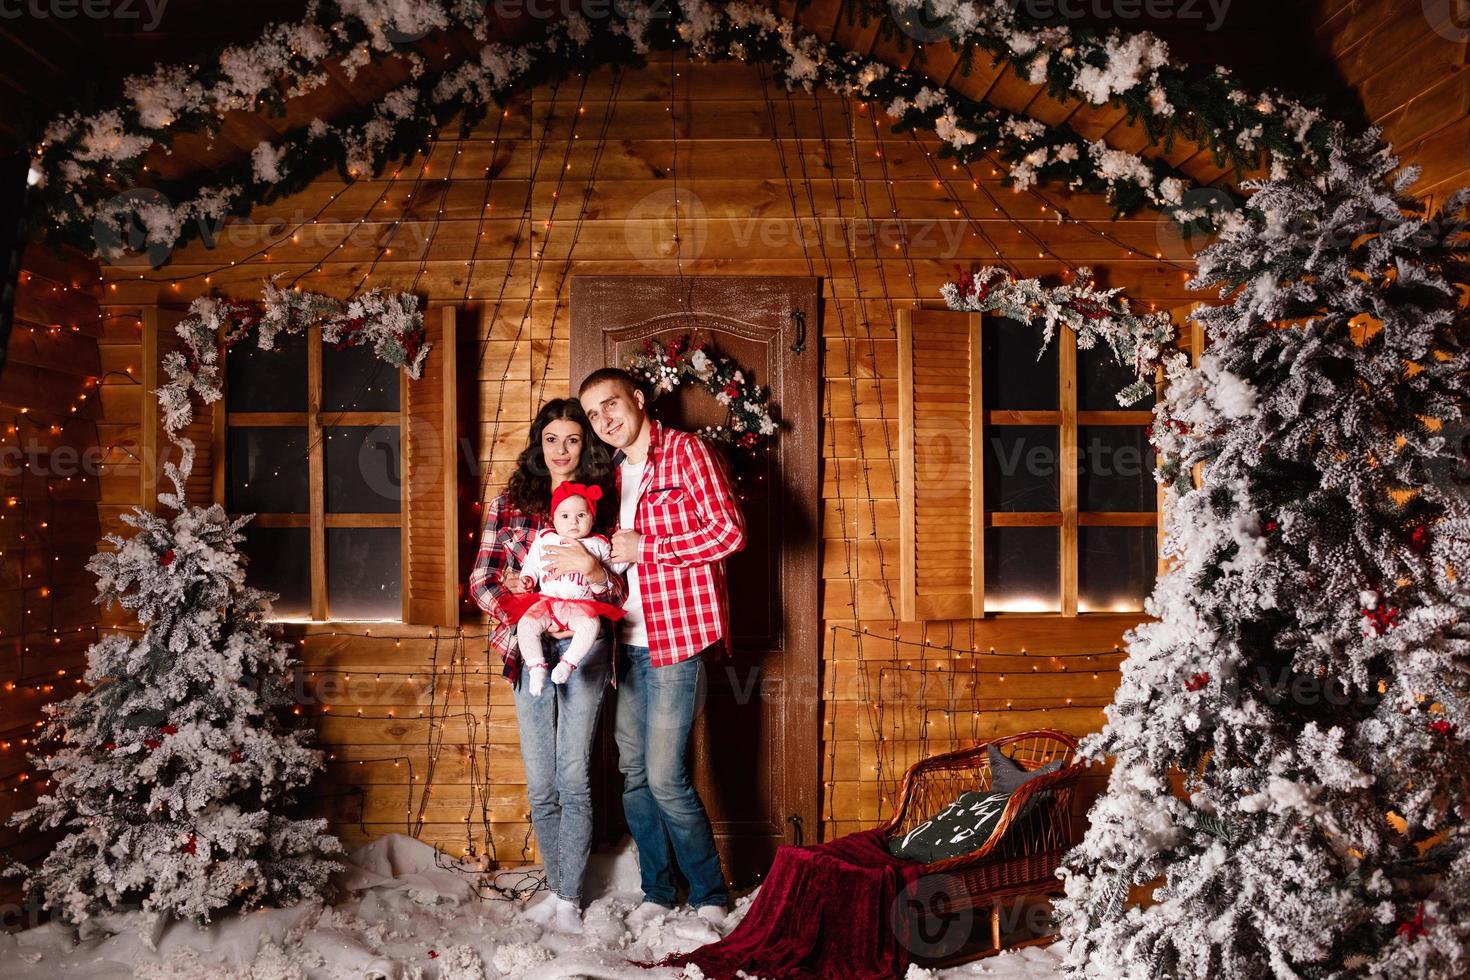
<point x="590" y="493"/>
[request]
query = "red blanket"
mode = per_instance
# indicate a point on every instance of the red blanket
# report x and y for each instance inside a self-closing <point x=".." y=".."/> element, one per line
<point x="825" y="911"/>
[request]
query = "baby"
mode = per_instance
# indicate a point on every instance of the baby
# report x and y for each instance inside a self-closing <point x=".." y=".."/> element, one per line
<point x="566" y="601"/>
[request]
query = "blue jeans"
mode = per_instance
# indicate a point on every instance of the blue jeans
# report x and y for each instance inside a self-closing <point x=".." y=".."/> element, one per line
<point x="556" y="742"/>
<point x="656" y="707"/>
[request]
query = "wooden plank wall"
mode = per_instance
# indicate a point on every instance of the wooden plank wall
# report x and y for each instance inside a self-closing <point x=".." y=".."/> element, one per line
<point x="49" y="528"/>
<point x="1406" y="65"/>
<point x="894" y="223"/>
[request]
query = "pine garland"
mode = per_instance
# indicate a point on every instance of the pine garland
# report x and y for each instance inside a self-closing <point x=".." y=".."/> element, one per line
<point x="392" y="324"/>
<point x="1266" y="130"/>
<point x="1141" y="343"/>
<point x="86" y="162"/>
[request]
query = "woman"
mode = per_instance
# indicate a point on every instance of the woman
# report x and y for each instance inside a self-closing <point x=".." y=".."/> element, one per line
<point x="556" y="726"/>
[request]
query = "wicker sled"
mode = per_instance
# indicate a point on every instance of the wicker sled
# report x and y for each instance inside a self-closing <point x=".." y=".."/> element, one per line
<point x="1022" y="854"/>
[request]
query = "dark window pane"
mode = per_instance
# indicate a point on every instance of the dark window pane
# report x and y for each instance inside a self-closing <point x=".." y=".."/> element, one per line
<point x="1116" y="568"/>
<point x="362" y="469"/>
<point x="1099" y="379"/>
<point x="267" y="380"/>
<point x="267" y="470"/>
<point x="355" y="379"/>
<point x="279" y="560"/>
<point x="363" y="576"/>
<point x="1012" y="374"/>
<point x="1115" y="468"/>
<point x="1021" y="468"/>
<point x="1022" y="569"/>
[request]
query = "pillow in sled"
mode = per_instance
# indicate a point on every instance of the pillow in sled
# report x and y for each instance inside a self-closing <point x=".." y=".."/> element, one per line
<point x="963" y="826"/>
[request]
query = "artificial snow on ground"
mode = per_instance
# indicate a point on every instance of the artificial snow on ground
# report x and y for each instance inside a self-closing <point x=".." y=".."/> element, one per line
<point x="405" y="912"/>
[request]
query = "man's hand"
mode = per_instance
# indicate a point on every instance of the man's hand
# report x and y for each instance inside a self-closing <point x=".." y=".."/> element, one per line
<point x="514" y="582"/>
<point x="625" y="545"/>
<point x="560" y="559"/>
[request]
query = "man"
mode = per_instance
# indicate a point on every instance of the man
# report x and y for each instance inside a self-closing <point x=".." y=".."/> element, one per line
<point x="678" y="521"/>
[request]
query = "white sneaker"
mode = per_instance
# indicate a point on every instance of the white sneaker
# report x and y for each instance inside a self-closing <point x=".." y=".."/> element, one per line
<point x="568" y="917"/>
<point x="646" y="912"/>
<point x="714" y="915"/>
<point x="542" y="912"/>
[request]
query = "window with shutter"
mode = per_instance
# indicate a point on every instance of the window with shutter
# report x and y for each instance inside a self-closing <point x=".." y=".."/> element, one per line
<point x="1025" y="487"/>
<point x="347" y="464"/>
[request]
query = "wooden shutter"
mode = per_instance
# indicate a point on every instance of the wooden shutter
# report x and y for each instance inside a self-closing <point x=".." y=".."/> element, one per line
<point x="430" y="485"/>
<point x="941" y="514"/>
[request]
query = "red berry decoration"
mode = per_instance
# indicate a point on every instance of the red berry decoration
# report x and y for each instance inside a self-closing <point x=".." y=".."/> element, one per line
<point x="1271" y="526"/>
<point x="1198" y="681"/>
<point x="235" y="756"/>
<point x="1416" y="926"/>
<point x="433" y="954"/>
<point x="167" y="558"/>
<point x="169" y="729"/>
<point x="191" y="846"/>
<point x="1441" y="727"/>
<point x="1419" y="540"/>
<point x="152" y="743"/>
<point x="1382" y="619"/>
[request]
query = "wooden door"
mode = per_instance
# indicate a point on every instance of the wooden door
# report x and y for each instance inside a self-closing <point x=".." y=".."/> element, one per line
<point x="754" y="755"/>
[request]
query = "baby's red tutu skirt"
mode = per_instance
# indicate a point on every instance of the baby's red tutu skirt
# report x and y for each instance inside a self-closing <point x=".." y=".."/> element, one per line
<point x="525" y="604"/>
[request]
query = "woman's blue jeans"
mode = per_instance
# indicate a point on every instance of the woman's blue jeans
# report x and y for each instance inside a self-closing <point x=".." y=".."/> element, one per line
<point x="656" y="708"/>
<point x="557" y="730"/>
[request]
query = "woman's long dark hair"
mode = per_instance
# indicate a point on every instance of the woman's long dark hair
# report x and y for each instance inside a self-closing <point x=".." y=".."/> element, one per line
<point x="529" y="488"/>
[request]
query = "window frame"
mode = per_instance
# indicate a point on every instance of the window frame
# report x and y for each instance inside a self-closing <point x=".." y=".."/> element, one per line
<point x="1069" y="518"/>
<point x="317" y="520"/>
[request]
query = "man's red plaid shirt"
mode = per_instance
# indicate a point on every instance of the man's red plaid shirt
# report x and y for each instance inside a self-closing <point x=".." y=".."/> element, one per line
<point x="690" y="522"/>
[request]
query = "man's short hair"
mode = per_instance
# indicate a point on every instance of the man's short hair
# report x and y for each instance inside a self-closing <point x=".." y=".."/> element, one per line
<point x="609" y="374"/>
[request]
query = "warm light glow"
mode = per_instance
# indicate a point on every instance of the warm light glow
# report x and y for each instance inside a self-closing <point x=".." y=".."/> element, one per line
<point x="1020" y="603"/>
<point x="1120" y="605"/>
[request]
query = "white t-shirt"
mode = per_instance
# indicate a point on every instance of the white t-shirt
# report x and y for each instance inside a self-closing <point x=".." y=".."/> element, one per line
<point x="634" y="630"/>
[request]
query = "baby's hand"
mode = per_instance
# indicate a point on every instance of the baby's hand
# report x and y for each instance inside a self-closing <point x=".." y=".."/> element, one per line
<point x="561" y="672"/>
<point x="537" y="680"/>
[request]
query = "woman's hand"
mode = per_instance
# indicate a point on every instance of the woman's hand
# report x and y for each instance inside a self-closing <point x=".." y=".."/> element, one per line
<point x="514" y="582"/>
<point x="560" y="559"/>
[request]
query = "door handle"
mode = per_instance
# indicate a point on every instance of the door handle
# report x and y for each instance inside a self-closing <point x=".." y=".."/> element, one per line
<point x="800" y="317"/>
<point x="796" y="828"/>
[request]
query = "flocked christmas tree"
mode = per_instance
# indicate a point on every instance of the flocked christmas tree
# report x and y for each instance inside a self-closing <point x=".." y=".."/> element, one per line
<point x="176" y="769"/>
<point x="1291" y="780"/>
